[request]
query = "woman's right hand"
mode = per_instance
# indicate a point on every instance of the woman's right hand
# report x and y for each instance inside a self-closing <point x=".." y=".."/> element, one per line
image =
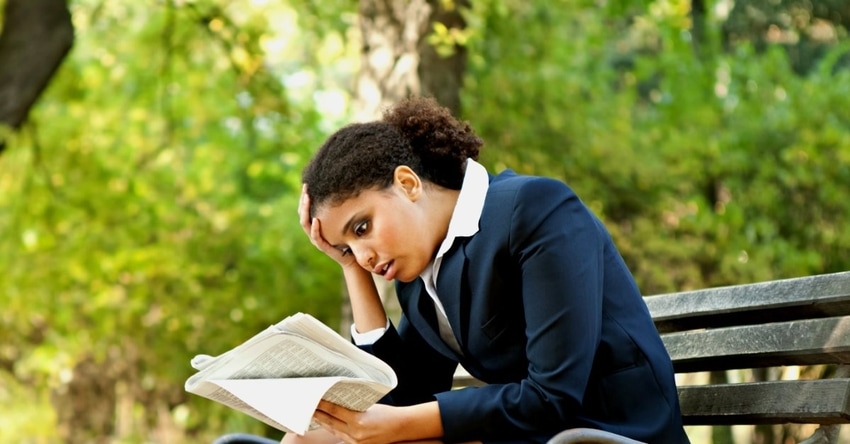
<point x="313" y="228"/>
<point x="366" y="306"/>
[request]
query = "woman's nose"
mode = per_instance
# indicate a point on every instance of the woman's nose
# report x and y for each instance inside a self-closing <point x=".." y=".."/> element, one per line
<point x="365" y="257"/>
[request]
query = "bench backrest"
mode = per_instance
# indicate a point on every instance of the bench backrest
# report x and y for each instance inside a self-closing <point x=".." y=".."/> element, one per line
<point x="802" y="321"/>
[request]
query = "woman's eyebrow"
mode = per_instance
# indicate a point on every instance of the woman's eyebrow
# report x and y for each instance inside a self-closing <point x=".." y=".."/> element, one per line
<point x="347" y="226"/>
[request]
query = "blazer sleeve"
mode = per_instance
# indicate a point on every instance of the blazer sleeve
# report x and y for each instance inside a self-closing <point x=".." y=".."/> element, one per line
<point x="558" y="246"/>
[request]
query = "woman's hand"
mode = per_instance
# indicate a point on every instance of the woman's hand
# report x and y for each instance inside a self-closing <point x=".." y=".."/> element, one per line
<point x="312" y="227"/>
<point x="380" y="423"/>
<point x="366" y="306"/>
<point x="355" y="427"/>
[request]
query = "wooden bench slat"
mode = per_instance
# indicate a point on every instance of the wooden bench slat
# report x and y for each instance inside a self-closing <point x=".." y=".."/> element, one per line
<point x="823" y="401"/>
<point x="462" y="378"/>
<point x="808" y="342"/>
<point x="806" y="297"/>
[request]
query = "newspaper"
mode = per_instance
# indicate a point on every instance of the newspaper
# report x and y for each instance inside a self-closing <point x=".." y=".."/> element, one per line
<point x="280" y="375"/>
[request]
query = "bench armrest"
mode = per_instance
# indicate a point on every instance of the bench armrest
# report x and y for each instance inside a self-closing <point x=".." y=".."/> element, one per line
<point x="590" y="436"/>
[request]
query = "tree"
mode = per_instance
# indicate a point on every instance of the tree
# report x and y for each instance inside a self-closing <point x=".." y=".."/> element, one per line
<point x="36" y="37"/>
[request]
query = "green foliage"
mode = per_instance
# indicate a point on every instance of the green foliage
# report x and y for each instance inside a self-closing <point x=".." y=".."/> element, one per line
<point x="148" y="212"/>
<point x="709" y="166"/>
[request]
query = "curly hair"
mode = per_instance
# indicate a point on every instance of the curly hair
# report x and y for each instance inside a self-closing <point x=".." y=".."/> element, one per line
<point x="416" y="132"/>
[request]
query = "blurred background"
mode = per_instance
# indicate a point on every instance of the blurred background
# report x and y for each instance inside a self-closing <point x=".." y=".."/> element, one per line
<point x="151" y="151"/>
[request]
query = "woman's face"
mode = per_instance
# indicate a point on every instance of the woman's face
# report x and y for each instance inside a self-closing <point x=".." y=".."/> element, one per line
<point x="387" y="231"/>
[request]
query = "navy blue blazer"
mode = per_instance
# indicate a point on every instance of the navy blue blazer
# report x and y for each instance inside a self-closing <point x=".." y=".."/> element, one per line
<point x="548" y="315"/>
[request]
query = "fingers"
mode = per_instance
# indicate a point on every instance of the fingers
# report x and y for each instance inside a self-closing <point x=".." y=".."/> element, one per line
<point x="329" y="407"/>
<point x="326" y="416"/>
<point x="330" y="414"/>
<point x="316" y="234"/>
<point x="313" y="228"/>
<point x="310" y="225"/>
<point x="304" y="209"/>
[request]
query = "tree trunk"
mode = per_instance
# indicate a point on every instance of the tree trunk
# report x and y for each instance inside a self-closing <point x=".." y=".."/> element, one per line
<point x="36" y="37"/>
<point x="442" y="77"/>
<point x="390" y="34"/>
<point x="398" y="62"/>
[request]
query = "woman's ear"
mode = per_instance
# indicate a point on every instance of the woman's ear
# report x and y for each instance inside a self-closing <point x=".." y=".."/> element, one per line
<point x="408" y="182"/>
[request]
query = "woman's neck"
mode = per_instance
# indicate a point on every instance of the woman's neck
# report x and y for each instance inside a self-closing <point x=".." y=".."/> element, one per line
<point x="440" y="206"/>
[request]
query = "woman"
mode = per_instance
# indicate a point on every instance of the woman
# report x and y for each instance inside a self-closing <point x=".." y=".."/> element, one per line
<point x="509" y="275"/>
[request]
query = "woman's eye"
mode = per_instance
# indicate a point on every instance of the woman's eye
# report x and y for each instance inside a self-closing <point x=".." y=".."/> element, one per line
<point x="346" y="251"/>
<point x="361" y="228"/>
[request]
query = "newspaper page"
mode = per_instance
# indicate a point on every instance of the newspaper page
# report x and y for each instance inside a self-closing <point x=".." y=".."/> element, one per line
<point x="279" y="375"/>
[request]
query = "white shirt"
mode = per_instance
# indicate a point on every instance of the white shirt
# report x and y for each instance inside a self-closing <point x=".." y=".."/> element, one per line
<point x="463" y="223"/>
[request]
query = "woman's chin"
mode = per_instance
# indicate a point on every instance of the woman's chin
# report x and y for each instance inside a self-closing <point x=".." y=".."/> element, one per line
<point x="401" y="277"/>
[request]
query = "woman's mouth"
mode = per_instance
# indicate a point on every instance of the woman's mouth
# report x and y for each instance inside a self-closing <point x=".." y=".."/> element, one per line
<point x="386" y="270"/>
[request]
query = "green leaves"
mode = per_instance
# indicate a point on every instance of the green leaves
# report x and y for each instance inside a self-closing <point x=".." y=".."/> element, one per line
<point x="150" y="204"/>
<point x="710" y="166"/>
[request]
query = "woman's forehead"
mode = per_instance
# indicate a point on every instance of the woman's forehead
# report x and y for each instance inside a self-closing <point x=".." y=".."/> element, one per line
<point x="332" y="211"/>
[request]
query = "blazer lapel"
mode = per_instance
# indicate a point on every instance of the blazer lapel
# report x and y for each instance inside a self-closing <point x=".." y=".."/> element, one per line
<point x="449" y="288"/>
<point x="426" y="322"/>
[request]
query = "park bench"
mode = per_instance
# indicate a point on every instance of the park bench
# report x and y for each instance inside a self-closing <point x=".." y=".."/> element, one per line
<point x="769" y="325"/>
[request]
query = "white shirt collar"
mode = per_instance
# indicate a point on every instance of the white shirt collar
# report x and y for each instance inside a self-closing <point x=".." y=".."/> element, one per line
<point x="470" y="203"/>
